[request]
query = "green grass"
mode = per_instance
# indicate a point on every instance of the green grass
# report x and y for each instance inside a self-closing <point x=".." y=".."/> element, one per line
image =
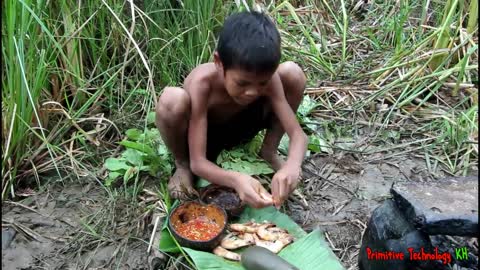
<point x="25" y="74"/>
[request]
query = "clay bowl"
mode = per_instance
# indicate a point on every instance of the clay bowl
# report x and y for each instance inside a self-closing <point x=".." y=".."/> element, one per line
<point x="189" y="211"/>
<point x="224" y="197"/>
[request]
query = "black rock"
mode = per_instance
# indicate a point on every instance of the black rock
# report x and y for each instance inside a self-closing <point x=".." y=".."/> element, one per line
<point x="389" y="231"/>
<point x="448" y="206"/>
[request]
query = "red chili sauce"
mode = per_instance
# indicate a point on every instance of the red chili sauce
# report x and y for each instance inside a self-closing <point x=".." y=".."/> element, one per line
<point x="199" y="229"/>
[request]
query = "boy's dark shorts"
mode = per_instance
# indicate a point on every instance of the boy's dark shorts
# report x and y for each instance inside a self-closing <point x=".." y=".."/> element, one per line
<point x="239" y="129"/>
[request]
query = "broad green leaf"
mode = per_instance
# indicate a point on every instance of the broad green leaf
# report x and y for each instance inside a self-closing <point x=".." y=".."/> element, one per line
<point x="261" y="167"/>
<point x="314" y="144"/>
<point x="307" y="252"/>
<point x="253" y="147"/>
<point x="311" y="252"/>
<point x="240" y="160"/>
<point x="228" y="165"/>
<point x="328" y="131"/>
<point x="153" y="169"/>
<point x="156" y="164"/>
<point x="112" y="176"/>
<point x="168" y="167"/>
<point x="252" y="158"/>
<point x="314" y="148"/>
<point x="247" y="167"/>
<point x="115" y="164"/>
<point x="325" y="146"/>
<point x="209" y="261"/>
<point x="306" y="106"/>
<point x="144" y="168"/>
<point x="237" y="154"/>
<point x="133" y="133"/>
<point x="309" y="124"/>
<point x="201" y="183"/>
<point x="133" y="156"/>
<point x="162" y="150"/>
<point x="150" y="136"/>
<point x="151" y="118"/>
<point x="153" y="160"/>
<point x="138" y="146"/>
<point x="129" y="174"/>
<point x="284" y="143"/>
<point x="166" y="242"/>
<point x="154" y="135"/>
<point x="221" y="157"/>
<point x="318" y="144"/>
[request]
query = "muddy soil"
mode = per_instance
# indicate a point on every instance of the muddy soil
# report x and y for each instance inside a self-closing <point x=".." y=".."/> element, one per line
<point x="51" y="232"/>
<point x="50" y="228"/>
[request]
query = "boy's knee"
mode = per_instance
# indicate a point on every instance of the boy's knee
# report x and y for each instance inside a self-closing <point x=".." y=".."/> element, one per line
<point x="174" y="102"/>
<point x="293" y="77"/>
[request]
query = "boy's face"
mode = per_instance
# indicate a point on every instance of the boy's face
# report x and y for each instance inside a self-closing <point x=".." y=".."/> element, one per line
<point x="244" y="86"/>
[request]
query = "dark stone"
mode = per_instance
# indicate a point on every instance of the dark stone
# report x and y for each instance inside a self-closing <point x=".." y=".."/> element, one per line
<point x="389" y="231"/>
<point x="7" y="237"/>
<point x="448" y="206"/>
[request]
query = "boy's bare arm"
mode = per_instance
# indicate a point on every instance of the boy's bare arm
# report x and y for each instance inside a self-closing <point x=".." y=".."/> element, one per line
<point x="286" y="179"/>
<point x="288" y="120"/>
<point x="197" y="139"/>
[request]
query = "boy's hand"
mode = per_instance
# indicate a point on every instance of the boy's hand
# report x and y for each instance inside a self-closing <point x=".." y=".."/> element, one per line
<point x="283" y="183"/>
<point x="252" y="192"/>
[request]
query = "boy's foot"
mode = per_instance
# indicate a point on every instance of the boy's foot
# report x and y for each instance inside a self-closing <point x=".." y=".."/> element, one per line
<point x="180" y="185"/>
<point x="273" y="159"/>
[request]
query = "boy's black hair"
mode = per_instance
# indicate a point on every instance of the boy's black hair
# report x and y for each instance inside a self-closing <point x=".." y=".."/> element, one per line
<point x="250" y="41"/>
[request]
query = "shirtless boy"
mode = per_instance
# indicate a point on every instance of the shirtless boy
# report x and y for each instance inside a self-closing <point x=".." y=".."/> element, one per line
<point x="227" y="102"/>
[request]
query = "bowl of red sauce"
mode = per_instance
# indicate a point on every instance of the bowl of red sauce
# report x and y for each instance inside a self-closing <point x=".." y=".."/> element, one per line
<point x="197" y="225"/>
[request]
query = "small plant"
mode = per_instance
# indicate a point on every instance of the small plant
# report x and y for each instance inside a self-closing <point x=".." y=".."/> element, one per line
<point x="145" y="152"/>
<point x="458" y="139"/>
<point x="316" y="142"/>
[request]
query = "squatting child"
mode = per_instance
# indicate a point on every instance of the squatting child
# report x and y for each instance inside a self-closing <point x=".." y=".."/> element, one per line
<point x="227" y="102"/>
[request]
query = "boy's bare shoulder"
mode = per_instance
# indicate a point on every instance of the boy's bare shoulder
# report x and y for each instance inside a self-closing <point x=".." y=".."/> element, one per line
<point x="203" y="76"/>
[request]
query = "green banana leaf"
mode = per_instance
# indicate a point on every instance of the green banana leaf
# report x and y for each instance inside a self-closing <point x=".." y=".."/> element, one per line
<point x="308" y="252"/>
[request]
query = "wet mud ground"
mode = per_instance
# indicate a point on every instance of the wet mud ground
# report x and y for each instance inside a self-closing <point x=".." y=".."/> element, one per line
<point x="73" y="225"/>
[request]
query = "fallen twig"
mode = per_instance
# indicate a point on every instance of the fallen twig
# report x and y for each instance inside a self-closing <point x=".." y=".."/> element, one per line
<point x="153" y="234"/>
